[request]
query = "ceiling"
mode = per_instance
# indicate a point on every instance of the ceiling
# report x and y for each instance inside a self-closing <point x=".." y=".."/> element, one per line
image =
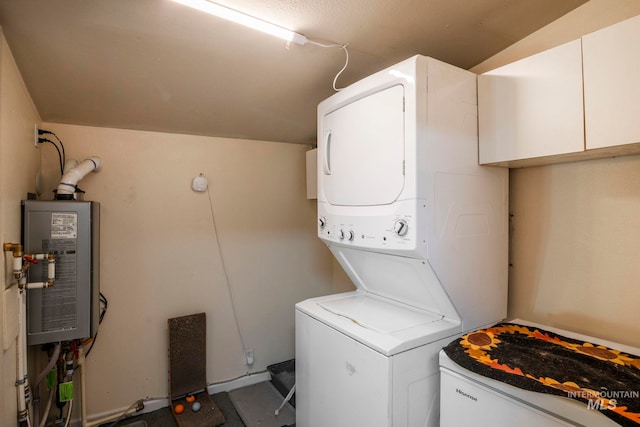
<point x="158" y="65"/>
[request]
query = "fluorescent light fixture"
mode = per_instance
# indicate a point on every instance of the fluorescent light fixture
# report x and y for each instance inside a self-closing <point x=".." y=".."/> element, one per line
<point x="242" y="19"/>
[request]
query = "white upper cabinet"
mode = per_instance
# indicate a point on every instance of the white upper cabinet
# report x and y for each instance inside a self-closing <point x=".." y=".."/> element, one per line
<point x="612" y="85"/>
<point x="532" y="108"/>
<point x="578" y="101"/>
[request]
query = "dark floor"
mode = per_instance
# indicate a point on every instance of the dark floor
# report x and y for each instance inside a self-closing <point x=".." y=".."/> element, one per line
<point x="164" y="418"/>
<point x="282" y="377"/>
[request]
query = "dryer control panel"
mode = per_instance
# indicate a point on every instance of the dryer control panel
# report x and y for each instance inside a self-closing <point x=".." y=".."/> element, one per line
<point x="394" y="229"/>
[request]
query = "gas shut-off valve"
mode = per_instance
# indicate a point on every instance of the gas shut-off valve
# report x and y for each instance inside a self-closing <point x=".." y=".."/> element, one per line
<point x="22" y="261"/>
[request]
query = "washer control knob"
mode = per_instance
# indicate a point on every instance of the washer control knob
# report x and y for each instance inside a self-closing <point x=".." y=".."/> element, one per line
<point x="401" y="227"/>
<point x="322" y="221"/>
<point x="341" y="234"/>
<point x="351" y="235"/>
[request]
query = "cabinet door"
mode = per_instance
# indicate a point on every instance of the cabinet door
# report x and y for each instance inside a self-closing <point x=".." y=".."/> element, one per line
<point x="612" y="85"/>
<point x="532" y="107"/>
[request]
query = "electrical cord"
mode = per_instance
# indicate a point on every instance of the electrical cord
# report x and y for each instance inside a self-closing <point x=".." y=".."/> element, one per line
<point x="105" y="305"/>
<point x="224" y="270"/>
<point x="346" y="62"/>
<point x="60" y="157"/>
<point x="104" y="301"/>
<point x="64" y="155"/>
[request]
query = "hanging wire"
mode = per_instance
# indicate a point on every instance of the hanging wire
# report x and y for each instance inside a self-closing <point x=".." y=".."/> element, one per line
<point x="346" y="62"/>
<point x="92" y="341"/>
<point x="224" y="270"/>
<point x="62" y="156"/>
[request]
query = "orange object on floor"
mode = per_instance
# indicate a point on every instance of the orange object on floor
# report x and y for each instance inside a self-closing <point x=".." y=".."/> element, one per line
<point x="188" y="372"/>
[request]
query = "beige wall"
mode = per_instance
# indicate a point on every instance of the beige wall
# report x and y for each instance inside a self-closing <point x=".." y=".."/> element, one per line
<point x="575" y="246"/>
<point x="19" y="162"/>
<point x="159" y="257"/>
<point x="575" y="237"/>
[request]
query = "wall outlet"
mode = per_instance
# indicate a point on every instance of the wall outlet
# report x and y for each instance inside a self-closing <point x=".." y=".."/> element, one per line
<point x="249" y="356"/>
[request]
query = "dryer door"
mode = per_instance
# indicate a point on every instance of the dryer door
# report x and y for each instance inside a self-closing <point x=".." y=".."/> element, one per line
<point x="361" y="150"/>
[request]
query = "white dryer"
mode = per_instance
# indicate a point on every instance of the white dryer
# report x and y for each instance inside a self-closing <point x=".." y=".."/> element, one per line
<point x="468" y="398"/>
<point x="421" y="230"/>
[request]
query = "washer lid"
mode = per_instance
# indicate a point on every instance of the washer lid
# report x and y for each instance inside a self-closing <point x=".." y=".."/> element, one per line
<point x="388" y="327"/>
<point x="379" y="315"/>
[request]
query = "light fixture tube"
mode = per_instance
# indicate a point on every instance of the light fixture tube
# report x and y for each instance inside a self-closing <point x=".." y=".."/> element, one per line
<point x="242" y="19"/>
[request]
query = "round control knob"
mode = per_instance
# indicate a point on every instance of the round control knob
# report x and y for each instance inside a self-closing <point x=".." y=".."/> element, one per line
<point x="341" y="234"/>
<point x="401" y="227"/>
<point x="322" y="221"/>
<point x="351" y="235"/>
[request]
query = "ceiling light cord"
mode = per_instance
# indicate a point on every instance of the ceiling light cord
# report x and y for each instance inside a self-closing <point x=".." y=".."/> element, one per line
<point x="213" y="8"/>
<point x="346" y="62"/>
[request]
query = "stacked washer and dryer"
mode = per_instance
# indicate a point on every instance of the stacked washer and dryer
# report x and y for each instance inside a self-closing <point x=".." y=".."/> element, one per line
<point x="422" y="231"/>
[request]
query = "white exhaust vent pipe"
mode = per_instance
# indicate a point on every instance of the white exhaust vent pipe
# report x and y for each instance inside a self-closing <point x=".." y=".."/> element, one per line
<point x="70" y="179"/>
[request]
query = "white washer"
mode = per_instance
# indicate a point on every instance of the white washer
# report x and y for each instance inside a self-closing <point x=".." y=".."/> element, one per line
<point x="361" y="374"/>
<point x="470" y="399"/>
<point x="421" y="230"/>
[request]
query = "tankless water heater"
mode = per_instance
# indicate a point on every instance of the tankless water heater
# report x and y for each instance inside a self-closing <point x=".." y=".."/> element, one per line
<point x="70" y="230"/>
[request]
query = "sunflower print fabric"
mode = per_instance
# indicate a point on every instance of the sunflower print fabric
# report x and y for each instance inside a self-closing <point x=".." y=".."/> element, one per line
<point x="533" y="359"/>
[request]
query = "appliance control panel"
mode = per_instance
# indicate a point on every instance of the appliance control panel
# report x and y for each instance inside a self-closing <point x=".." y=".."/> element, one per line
<point x="393" y="229"/>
